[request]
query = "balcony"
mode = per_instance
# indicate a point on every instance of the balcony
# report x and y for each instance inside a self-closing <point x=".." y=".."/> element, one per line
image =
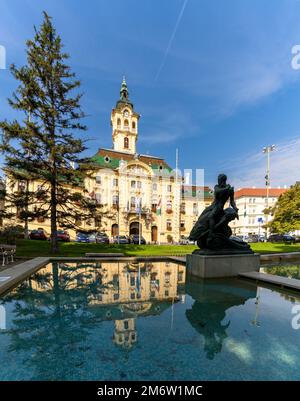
<point x="133" y="210"/>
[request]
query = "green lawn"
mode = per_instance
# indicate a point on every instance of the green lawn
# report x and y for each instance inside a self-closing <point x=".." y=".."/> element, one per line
<point x="34" y="248"/>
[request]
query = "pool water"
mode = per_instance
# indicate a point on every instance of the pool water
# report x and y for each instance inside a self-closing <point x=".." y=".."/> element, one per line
<point x="142" y="321"/>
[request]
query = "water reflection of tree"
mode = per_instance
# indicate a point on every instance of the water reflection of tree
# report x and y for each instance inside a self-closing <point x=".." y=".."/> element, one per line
<point x="291" y="271"/>
<point x="51" y="321"/>
<point x="212" y="300"/>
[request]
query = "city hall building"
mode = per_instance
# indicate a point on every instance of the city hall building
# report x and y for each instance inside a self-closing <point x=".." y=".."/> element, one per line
<point x="135" y="193"/>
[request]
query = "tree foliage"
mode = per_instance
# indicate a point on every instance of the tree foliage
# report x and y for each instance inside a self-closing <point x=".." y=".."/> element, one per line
<point x="287" y="211"/>
<point x="44" y="146"/>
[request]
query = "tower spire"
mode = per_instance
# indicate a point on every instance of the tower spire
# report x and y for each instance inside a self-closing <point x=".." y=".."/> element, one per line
<point x="124" y="95"/>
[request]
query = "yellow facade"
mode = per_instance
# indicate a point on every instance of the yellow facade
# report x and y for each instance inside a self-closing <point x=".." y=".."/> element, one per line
<point x="134" y="191"/>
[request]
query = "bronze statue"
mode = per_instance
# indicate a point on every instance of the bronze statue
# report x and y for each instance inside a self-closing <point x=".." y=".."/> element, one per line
<point x="212" y="231"/>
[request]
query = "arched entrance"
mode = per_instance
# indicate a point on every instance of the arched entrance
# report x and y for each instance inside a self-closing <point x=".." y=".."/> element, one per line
<point x="114" y="230"/>
<point x="134" y="228"/>
<point x="154" y="234"/>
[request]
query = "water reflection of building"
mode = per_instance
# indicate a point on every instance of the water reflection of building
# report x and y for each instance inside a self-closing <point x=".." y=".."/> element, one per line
<point x="125" y="334"/>
<point x="119" y="291"/>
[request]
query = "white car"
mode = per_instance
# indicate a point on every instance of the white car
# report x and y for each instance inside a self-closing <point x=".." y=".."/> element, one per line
<point x="185" y="241"/>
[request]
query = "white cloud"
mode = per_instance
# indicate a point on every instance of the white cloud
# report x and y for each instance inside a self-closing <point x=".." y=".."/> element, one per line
<point x="250" y="169"/>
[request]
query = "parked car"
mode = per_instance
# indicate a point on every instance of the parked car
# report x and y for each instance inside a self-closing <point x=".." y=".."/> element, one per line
<point x="244" y="238"/>
<point x="62" y="235"/>
<point x="102" y="238"/>
<point x="82" y="237"/>
<point x="134" y="239"/>
<point x="253" y="238"/>
<point x="282" y="238"/>
<point x="40" y="234"/>
<point x="239" y="238"/>
<point x="120" y="239"/>
<point x="92" y="237"/>
<point x="185" y="241"/>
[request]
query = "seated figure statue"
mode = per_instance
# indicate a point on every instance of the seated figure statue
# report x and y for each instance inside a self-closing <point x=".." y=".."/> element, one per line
<point x="211" y="231"/>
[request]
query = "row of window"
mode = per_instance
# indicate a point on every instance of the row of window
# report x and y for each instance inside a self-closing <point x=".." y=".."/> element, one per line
<point x="253" y="200"/>
<point x="133" y="184"/>
<point x="125" y="124"/>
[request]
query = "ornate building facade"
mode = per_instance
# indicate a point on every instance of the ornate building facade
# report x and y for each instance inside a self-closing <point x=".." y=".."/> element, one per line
<point x="136" y="193"/>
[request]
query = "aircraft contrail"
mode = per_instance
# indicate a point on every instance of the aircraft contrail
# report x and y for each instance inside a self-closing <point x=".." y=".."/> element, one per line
<point x="171" y="40"/>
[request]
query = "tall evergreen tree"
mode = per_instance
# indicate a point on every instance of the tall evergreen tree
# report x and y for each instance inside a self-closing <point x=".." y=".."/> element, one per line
<point x="44" y="146"/>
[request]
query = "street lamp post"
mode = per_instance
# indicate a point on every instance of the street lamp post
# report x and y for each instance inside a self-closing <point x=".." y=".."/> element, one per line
<point x="267" y="150"/>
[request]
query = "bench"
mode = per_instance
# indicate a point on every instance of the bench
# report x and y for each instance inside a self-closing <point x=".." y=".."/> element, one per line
<point x="7" y="252"/>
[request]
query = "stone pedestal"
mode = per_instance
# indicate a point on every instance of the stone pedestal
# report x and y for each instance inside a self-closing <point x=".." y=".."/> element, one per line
<point x="214" y="266"/>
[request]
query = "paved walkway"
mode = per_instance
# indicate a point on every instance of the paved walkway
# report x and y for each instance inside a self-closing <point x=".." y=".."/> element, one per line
<point x="15" y="274"/>
<point x="283" y="282"/>
<point x="279" y="257"/>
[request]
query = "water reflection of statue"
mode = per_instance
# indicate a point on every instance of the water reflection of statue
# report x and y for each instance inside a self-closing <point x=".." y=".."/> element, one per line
<point x="208" y="313"/>
<point x="212" y="231"/>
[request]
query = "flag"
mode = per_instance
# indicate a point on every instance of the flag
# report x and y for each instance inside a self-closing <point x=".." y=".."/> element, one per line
<point x="158" y="208"/>
<point x="138" y="206"/>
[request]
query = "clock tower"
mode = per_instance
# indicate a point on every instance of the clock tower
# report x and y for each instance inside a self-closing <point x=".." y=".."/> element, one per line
<point x="124" y="122"/>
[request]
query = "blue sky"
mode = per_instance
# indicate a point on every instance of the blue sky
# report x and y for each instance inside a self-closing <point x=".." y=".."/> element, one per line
<point x="212" y="78"/>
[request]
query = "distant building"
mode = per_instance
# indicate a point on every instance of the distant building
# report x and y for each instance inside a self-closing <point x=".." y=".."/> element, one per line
<point x="251" y="203"/>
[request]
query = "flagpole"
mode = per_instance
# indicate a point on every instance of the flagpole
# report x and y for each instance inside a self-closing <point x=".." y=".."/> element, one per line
<point x="176" y="179"/>
<point x="140" y="208"/>
<point x="118" y="206"/>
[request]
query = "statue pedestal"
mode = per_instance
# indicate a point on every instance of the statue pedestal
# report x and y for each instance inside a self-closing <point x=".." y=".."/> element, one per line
<point x="217" y="266"/>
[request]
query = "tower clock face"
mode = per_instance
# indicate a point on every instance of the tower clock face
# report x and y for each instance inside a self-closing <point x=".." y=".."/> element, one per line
<point x="126" y="114"/>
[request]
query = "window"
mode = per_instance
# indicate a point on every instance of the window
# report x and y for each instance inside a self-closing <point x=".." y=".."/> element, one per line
<point x="169" y="225"/>
<point x="132" y="280"/>
<point x="119" y="122"/>
<point x="182" y="208"/>
<point x="115" y="182"/>
<point x="132" y="295"/>
<point x="132" y="184"/>
<point x="98" y="179"/>
<point x="116" y="296"/>
<point x="132" y="202"/>
<point x="169" y="188"/>
<point x="98" y="197"/>
<point x="154" y="187"/>
<point x="115" y="200"/>
<point x="126" y="124"/>
<point x="133" y="125"/>
<point x="169" y="206"/>
<point x="21" y="186"/>
<point x="195" y="209"/>
<point x="126" y="143"/>
<point x="139" y="184"/>
<point x="126" y="325"/>
<point x="182" y="225"/>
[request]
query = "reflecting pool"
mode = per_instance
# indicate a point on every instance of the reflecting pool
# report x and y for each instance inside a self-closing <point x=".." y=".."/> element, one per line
<point x="140" y="321"/>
